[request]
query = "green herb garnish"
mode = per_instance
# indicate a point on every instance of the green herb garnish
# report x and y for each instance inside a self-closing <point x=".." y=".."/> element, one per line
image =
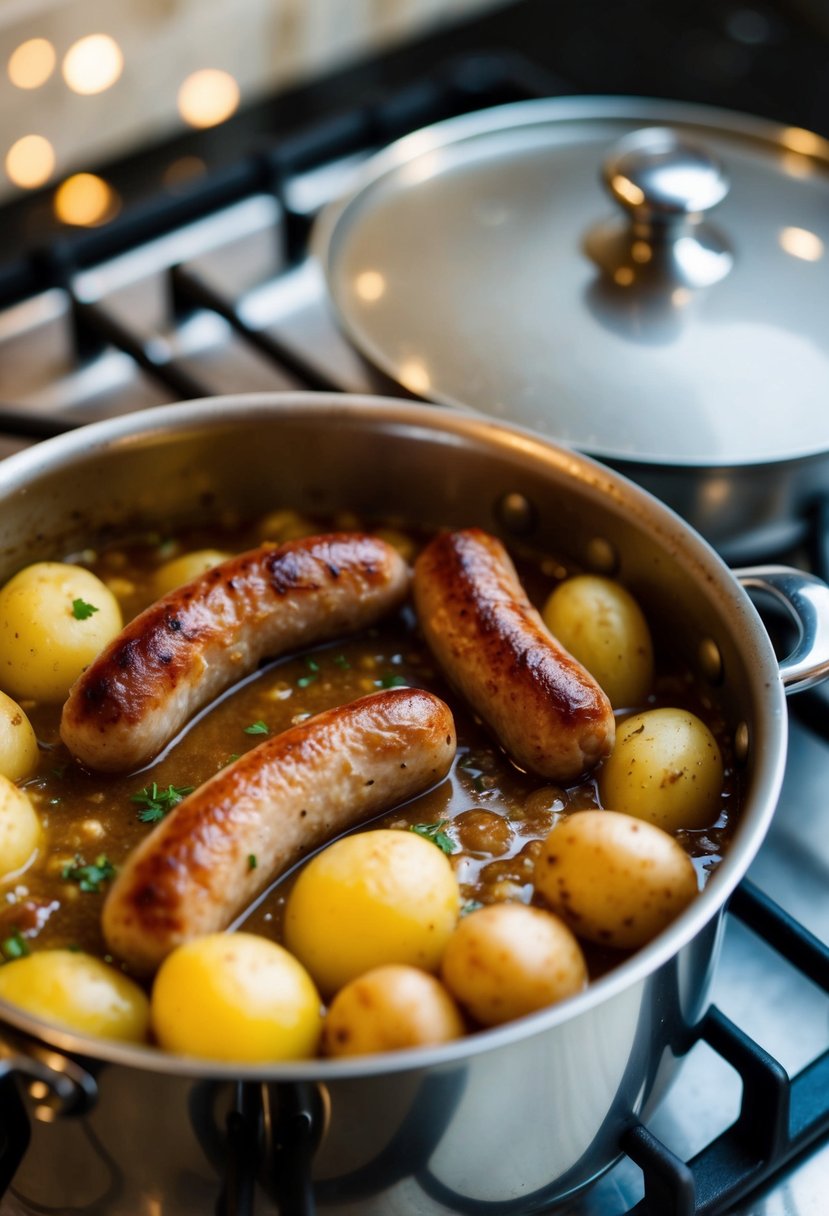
<point x="14" y="946"/>
<point x="158" y="802"/>
<point x="81" y="610"/>
<point x="342" y="661"/>
<point x="392" y="681"/>
<point x="304" y="681"/>
<point x="470" y="905"/>
<point x="258" y="728"/>
<point x="252" y="862"/>
<point x="435" y="833"/>
<point x="89" y="877"/>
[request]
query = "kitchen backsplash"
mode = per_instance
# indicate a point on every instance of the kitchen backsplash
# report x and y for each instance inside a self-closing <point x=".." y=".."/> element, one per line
<point x="86" y="80"/>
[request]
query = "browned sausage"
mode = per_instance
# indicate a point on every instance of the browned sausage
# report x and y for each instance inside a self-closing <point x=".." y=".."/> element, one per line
<point x="205" y="863"/>
<point x="547" y="712"/>
<point x="203" y="637"/>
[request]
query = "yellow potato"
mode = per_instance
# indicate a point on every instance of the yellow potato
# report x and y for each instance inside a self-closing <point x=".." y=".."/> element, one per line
<point x="20" y="831"/>
<point x="181" y="570"/>
<point x="507" y="960"/>
<point x="18" y="742"/>
<point x="615" y="880"/>
<point x="602" y="626"/>
<point x="387" y="1009"/>
<point x="79" y="992"/>
<point x="235" y="996"/>
<point x="384" y="896"/>
<point x="55" y="618"/>
<point x="666" y="768"/>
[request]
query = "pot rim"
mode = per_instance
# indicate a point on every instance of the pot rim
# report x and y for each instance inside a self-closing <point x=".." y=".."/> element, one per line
<point x="331" y="226"/>
<point x="459" y="427"/>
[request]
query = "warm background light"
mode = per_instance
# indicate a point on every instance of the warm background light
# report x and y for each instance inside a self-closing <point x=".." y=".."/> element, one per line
<point x="208" y="97"/>
<point x="93" y="64"/>
<point x="30" y="161"/>
<point x="86" y="200"/>
<point x="32" y="63"/>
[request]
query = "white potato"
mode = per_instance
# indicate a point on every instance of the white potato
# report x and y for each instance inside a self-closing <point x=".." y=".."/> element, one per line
<point x="55" y="618"/>
<point x="507" y="960"/>
<point x="666" y="768"/>
<point x="602" y="626"/>
<point x="387" y="1009"/>
<point x="615" y="880"/>
<point x="79" y="992"/>
<point x="181" y="570"/>
<point x="18" y="742"/>
<point x="20" y="830"/>
<point x="235" y="996"/>
<point x="383" y="896"/>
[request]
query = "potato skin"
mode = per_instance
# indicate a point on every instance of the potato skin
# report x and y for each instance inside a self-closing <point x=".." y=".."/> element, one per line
<point x="20" y="830"/>
<point x="79" y="992"/>
<point x="235" y="996"/>
<point x="18" y="742"/>
<point x="666" y="768"/>
<point x="183" y="569"/>
<point x="382" y="896"/>
<point x="44" y="647"/>
<point x="507" y="960"/>
<point x="602" y="625"/>
<point x="616" y="880"/>
<point x="387" y="1009"/>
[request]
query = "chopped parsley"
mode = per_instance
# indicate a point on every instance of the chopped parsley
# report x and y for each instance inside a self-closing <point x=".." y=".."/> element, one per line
<point x="313" y="667"/>
<point x="14" y="946"/>
<point x="158" y="802"/>
<point x="435" y="833"/>
<point x="89" y="877"/>
<point x="342" y="661"/>
<point x="252" y="862"/>
<point x="81" y="611"/>
<point x="392" y="681"/>
<point x="258" y="728"/>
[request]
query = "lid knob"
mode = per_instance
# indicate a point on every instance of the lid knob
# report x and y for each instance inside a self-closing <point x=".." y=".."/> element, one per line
<point x="659" y="177"/>
<point x="665" y="185"/>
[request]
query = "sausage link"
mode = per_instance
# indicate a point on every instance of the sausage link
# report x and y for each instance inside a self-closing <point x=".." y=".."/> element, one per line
<point x="194" y="873"/>
<point x="192" y="644"/>
<point x="547" y="712"/>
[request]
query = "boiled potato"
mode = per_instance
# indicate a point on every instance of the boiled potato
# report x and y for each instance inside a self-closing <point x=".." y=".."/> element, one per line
<point x="507" y="960"/>
<point x="55" y="618"/>
<point x="602" y="626"/>
<point x="20" y="831"/>
<point x="614" y="879"/>
<point x="235" y="996"/>
<point x="385" y="896"/>
<point x="18" y="742"/>
<point x="389" y="1008"/>
<point x="181" y="570"/>
<point x="666" y="767"/>
<point x="79" y="992"/>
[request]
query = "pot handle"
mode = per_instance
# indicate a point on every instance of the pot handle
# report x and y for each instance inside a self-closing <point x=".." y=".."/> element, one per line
<point x="807" y="600"/>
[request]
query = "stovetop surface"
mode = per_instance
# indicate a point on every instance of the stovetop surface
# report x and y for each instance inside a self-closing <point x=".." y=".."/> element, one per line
<point x="207" y="289"/>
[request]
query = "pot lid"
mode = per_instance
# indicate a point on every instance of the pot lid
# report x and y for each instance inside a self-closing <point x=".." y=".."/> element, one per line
<point x="643" y="280"/>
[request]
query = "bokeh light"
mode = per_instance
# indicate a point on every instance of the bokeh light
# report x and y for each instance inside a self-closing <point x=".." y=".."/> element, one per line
<point x="208" y="97"/>
<point x="30" y="161"/>
<point x="93" y="64"/>
<point x="85" y="200"/>
<point x="32" y="63"/>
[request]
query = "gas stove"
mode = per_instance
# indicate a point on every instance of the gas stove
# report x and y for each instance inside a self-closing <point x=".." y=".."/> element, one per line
<point x="204" y="286"/>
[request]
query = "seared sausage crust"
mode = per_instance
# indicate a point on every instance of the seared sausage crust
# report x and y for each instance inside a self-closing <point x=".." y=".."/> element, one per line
<point x="194" y="875"/>
<point x="547" y="711"/>
<point x="192" y="644"/>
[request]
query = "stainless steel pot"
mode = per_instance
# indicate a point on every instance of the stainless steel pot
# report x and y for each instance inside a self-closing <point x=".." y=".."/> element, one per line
<point x="510" y="1120"/>
<point x="644" y="280"/>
